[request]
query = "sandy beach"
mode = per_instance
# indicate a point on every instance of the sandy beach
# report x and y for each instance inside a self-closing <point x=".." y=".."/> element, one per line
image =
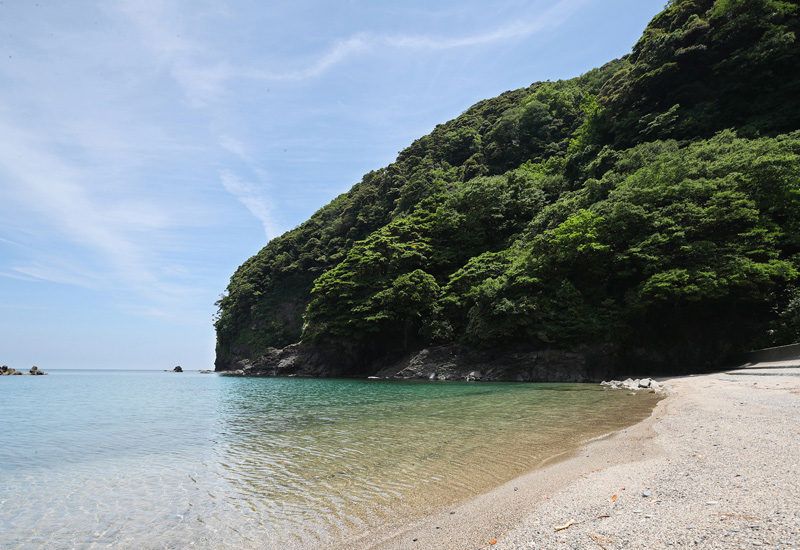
<point x="717" y="465"/>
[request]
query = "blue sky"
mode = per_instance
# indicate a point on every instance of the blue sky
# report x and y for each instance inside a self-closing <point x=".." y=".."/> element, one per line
<point x="149" y="147"/>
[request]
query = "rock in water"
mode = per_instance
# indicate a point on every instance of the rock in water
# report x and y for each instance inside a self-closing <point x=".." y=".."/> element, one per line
<point x="177" y="369"/>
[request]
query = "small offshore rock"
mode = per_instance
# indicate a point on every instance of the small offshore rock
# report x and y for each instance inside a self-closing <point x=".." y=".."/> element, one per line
<point x="177" y="369"/>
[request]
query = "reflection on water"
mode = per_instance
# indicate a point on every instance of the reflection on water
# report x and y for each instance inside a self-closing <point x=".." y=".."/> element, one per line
<point x="161" y="460"/>
<point x="321" y="456"/>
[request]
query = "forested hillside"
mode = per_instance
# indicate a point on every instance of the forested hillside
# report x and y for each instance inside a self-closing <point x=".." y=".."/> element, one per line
<point x="649" y="205"/>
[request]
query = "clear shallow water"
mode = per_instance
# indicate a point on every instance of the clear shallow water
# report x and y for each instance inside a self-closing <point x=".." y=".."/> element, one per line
<point x="148" y="459"/>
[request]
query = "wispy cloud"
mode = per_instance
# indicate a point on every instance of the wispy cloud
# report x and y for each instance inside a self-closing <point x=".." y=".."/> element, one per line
<point x="548" y="19"/>
<point x="58" y="198"/>
<point x="251" y="194"/>
<point x="208" y="75"/>
<point x="203" y="75"/>
<point x="253" y="198"/>
<point x="367" y="42"/>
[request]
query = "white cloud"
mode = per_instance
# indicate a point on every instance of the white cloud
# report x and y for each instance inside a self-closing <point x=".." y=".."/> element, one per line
<point x="252" y="197"/>
<point x="235" y="146"/>
<point x="95" y="230"/>
<point x="203" y="75"/>
<point x="553" y="17"/>
<point x="366" y="42"/>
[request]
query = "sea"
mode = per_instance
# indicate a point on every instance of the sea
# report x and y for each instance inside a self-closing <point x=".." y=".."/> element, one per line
<point x="149" y="459"/>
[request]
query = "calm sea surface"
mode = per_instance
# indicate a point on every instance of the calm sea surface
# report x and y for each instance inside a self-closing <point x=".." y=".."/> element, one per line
<point x="149" y="459"/>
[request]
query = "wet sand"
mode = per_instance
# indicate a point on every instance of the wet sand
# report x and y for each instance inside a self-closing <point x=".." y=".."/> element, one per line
<point x="715" y="466"/>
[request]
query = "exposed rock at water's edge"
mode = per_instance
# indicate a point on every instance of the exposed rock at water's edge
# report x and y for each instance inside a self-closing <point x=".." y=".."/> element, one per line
<point x="457" y="362"/>
<point x="293" y="360"/>
<point x="5" y="370"/>
<point x="631" y="384"/>
<point x="446" y="362"/>
<point x="584" y="363"/>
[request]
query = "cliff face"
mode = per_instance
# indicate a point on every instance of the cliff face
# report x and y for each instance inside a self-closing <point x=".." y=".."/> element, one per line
<point x="293" y="360"/>
<point x="447" y="362"/>
<point x="648" y="207"/>
<point x="593" y="363"/>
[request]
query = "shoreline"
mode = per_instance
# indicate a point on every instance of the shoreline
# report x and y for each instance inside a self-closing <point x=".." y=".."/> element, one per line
<point x="714" y="466"/>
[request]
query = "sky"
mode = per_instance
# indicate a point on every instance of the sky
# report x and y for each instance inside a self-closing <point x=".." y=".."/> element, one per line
<point x="149" y="147"/>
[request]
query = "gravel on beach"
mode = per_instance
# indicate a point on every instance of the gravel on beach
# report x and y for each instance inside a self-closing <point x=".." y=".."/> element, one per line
<point x="717" y="465"/>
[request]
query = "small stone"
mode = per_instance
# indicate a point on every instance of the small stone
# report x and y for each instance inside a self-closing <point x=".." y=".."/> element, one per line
<point x="712" y="502"/>
<point x="646" y="494"/>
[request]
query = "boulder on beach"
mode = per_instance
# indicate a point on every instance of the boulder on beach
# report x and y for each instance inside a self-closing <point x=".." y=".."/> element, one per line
<point x="630" y="384"/>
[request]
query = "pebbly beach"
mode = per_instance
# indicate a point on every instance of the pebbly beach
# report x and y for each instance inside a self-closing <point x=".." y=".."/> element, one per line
<point x="715" y="466"/>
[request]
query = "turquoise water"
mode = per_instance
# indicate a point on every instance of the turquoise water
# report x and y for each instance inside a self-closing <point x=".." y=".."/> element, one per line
<point x="149" y="459"/>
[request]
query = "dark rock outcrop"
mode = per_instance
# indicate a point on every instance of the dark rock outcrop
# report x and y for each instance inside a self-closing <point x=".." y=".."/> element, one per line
<point x="456" y="362"/>
<point x="447" y="362"/>
<point x="5" y="370"/>
<point x="295" y="360"/>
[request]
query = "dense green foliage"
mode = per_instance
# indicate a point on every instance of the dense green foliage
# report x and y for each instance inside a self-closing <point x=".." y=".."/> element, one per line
<point x="649" y="203"/>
